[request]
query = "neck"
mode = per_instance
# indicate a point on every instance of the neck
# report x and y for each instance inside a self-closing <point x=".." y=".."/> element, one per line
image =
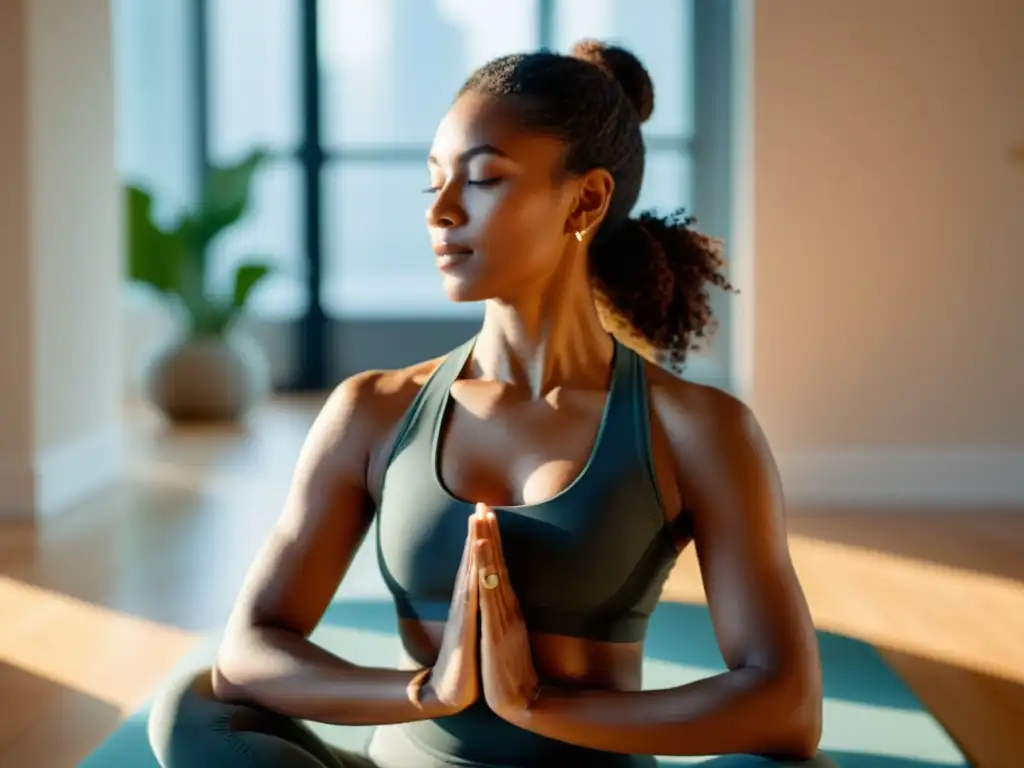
<point x="547" y="338"/>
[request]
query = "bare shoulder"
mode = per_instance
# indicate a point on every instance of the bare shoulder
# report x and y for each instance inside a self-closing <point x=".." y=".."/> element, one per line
<point x="376" y="399"/>
<point x="717" y="443"/>
<point x="367" y="408"/>
<point x="698" y="415"/>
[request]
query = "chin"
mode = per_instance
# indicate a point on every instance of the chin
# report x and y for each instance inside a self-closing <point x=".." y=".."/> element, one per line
<point x="462" y="286"/>
<point x="464" y="292"/>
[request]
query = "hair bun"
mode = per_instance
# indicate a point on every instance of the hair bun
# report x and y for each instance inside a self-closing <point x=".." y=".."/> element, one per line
<point x="622" y="66"/>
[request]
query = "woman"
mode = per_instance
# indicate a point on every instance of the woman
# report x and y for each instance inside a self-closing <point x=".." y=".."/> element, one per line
<point x="533" y="488"/>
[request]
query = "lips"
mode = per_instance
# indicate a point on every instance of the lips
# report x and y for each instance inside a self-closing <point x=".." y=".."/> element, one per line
<point x="451" y="249"/>
<point x="451" y="256"/>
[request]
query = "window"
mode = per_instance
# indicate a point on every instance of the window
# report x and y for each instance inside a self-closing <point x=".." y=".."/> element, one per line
<point x="346" y="95"/>
<point x="384" y="93"/>
<point x="660" y="33"/>
<point x="388" y="71"/>
<point x="389" y="68"/>
<point x="253" y="100"/>
<point x="154" y="75"/>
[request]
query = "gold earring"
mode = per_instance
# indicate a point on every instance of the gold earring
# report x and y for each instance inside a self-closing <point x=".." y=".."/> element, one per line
<point x="579" y="236"/>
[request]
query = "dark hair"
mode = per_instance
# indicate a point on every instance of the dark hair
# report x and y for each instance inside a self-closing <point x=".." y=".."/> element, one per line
<point x="651" y="272"/>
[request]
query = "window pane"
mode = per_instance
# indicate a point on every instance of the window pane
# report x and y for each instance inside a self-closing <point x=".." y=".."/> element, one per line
<point x="254" y="82"/>
<point x="668" y="183"/>
<point x="659" y="32"/>
<point x="270" y="232"/>
<point x="377" y="257"/>
<point x="390" y="68"/>
<point x="155" y="89"/>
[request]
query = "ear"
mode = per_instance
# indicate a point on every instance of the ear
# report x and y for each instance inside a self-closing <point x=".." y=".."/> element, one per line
<point x="593" y="196"/>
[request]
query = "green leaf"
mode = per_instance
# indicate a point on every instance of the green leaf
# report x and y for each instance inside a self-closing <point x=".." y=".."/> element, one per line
<point x="155" y="257"/>
<point x="247" y="277"/>
<point x="192" y="291"/>
<point x="214" y="321"/>
<point x="225" y="199"/>
<point x="173" y="260"/>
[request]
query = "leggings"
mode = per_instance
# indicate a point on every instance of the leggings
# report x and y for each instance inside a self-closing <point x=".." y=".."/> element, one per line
<point x="189" y="728"/>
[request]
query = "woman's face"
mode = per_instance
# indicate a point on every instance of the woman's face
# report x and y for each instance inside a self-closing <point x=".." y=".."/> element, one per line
<point x="499" y="213"/>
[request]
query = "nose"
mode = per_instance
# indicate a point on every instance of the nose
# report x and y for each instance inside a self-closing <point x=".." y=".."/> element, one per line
<point x="446" y="212"/>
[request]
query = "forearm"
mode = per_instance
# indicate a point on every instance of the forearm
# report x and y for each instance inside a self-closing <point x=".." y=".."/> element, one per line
<point x="292" y="676"/>
<point x="743" y="711"/>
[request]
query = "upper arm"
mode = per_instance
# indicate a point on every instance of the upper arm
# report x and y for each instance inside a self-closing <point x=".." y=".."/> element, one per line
<point x="729" y="478"/>
<point x="324" y="520"/>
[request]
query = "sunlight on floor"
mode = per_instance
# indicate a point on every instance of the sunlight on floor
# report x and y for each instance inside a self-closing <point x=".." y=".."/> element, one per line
<point x="112" y="655"/>
<point x="915" y="616"/>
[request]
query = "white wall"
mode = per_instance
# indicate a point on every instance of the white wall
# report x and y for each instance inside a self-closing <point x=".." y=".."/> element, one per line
<point x="884" y="317"/>
<point x="62" y="389"/>
<point x="17" y="427"/>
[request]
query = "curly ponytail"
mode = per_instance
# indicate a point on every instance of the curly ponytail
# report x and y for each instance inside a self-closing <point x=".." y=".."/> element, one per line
<point x="652" y="276"/>
<point x="651" y="273"/>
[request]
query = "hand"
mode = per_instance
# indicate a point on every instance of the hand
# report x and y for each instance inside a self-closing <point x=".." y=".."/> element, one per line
<point x="510" y="681"/>
<point x="454" y="680"/>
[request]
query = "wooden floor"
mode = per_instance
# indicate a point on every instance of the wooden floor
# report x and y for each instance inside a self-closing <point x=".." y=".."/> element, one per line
<point x="97" y="604"/>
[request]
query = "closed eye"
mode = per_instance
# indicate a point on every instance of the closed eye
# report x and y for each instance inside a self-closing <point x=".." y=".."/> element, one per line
<point x="481" y="183"/>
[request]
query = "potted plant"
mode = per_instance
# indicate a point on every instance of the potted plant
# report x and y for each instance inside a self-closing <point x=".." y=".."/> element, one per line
<point x="210" y="370"/>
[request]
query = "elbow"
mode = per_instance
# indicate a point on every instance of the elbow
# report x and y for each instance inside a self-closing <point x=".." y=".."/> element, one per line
<point x="799" y="725"/>
<point x="224" y="689"/>
<point x="803" y="738"/>
<point x="227" y="676"/>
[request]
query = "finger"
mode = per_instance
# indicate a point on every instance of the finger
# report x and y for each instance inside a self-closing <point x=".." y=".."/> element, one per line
<point x="467" y="550"/>
<point x="464" y="593"/>
<point x="472" y="596"/>
<point x="494" y="534"/>
<point x="502" y="600"/>
<point x="484" y="568"/>
<point x="488" y="555"/>
<point x="484" y="553"/>
<point x="495" y="601"/>
<point x="478" y="521"/>
<point x="507" y="602"/>
<point x="491" y="526"/>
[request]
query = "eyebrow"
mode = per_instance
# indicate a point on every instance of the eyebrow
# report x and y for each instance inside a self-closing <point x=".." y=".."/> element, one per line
<point x="469" y="154"/>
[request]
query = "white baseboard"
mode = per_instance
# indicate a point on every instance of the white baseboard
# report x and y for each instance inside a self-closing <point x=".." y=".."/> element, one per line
<point x="887" y="477"/>
<point x="62" y="475"/>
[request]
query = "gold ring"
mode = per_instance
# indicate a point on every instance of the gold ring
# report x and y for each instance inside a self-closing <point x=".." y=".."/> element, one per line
<point x="490" y="581"/>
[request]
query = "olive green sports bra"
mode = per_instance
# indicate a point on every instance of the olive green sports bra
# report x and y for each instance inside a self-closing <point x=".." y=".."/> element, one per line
<point x="589" y="562"/>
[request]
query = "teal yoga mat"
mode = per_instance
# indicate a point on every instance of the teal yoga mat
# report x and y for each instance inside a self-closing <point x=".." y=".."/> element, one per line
<point x="872" y="719"/>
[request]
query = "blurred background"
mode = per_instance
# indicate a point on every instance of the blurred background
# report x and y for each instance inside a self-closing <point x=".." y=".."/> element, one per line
<point x="346" y="95"/>
<point x="863" y="163"/>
